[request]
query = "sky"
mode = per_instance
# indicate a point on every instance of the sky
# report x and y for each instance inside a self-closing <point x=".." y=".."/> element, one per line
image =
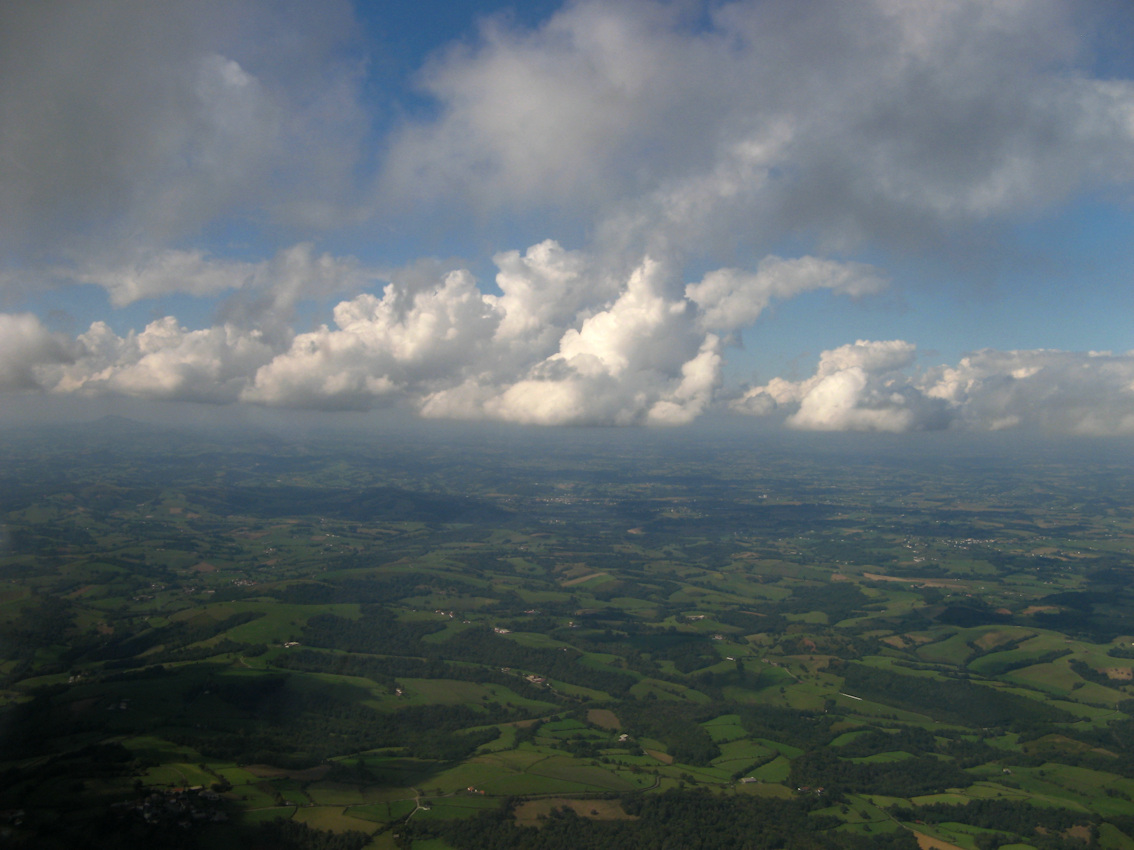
<point x="878" y="215"/>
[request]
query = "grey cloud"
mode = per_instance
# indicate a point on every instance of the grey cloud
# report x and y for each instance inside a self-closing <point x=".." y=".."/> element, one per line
<point x="157" y="273"/>
<point x="260" y="295"/>
<point x="876" y="120"/>
<point x="26" y="348"/>
<point x="135" y="122"/>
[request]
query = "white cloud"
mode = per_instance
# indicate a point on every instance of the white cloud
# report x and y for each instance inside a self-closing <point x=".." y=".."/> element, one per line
<point x="544" y="289"/>
<point x="641" y="329"/>
<point x="570" y="400"/>
<point x="641" y="359"/>
<point x="733" y="298"/>
<point x="700" y="377"/>
<point x="848" y="400"/>
<point x="164" y="361"/>
<point x="857" y="387"/>
<point x="1067" y="392"/>
<point x="871" y="386"/>
<point x="541" y="352"/>
<point x="544" y="351"/>
<point x="381" y="346"/>
<point x="558" y="344"/>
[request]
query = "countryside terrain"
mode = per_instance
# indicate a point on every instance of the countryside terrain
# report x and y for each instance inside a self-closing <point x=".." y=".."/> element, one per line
<point x="433" y="638"/>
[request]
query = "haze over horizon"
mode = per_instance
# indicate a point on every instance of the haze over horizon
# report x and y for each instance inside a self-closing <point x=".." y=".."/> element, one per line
<point x="887" y="215"/>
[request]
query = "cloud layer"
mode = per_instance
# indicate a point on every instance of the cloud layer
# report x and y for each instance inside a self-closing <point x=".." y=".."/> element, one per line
<point x="451" y="351"/>
<point x="711" y="160"/>
<point x="541" y="351"/>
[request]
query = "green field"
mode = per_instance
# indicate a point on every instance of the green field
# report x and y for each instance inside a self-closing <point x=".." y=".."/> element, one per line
<point x="386" y="644"/>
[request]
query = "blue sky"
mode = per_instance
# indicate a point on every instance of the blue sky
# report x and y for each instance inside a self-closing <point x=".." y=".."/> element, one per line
<point x="874" y="216"/>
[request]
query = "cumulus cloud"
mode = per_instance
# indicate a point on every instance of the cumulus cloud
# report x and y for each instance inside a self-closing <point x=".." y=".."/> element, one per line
<point x="538" y="353"/>
<point x="700" y="376"/>
<point x="857" y="387"/>
<point x="164" y="361"/>
<point x="379" y="346"/>
<point x="544" y="349"/>
<point x="641" y="328"/>
<point x="541" y="351"/>
<point x="543" y="290"/>
<point x="873" y="386"/>
<point x="640" y="360"/>
<point x="1068" y="392"/>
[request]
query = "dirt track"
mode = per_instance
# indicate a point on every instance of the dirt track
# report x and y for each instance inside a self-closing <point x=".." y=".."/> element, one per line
<point x="928" y="842"/>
